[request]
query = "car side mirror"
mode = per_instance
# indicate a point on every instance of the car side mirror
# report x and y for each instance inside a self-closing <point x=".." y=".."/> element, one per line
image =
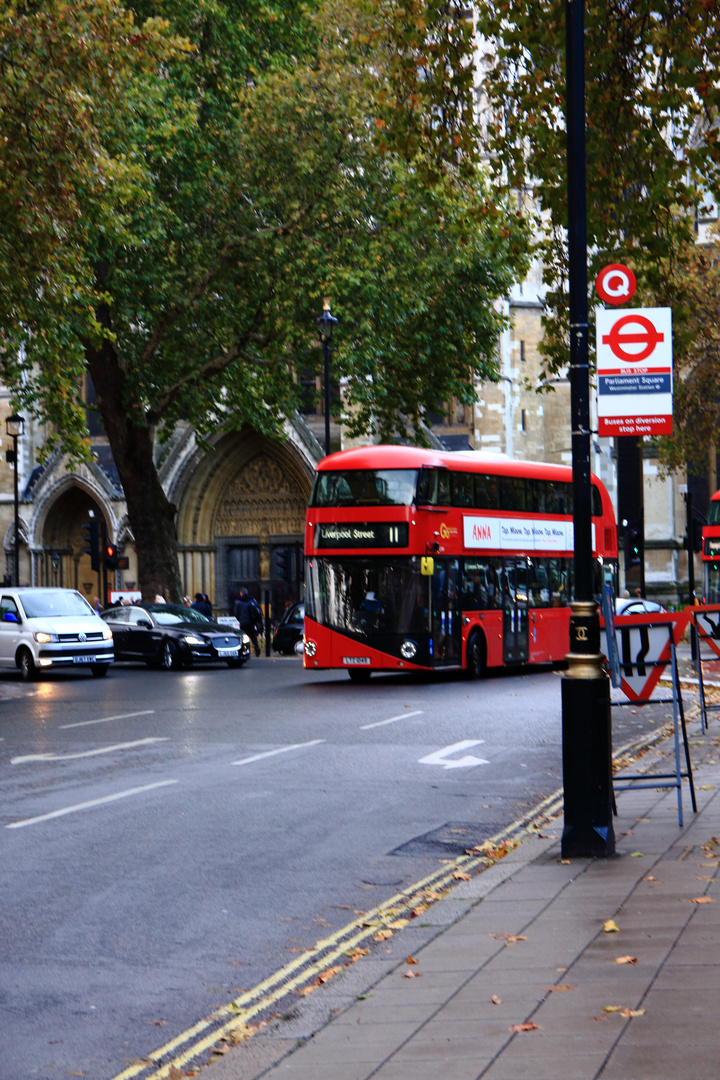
<point x="10" y="616"/>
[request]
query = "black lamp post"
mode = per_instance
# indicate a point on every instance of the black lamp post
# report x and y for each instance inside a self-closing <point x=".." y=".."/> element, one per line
<point x="326" y="322"/>
<point x="587" y="749"/>
<point x="15" y="426"/>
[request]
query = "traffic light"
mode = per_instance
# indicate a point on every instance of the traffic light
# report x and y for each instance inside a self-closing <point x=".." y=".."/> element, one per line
<point x="282" y="563"/>
<point x="91" y="540"/>
<point x="112" y="557"/>
<point x="633" y="551"/>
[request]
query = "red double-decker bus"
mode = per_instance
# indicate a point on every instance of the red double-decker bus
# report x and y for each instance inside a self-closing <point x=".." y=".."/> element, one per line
<point x="419" y="560"/>
<point x="710" y="552"/>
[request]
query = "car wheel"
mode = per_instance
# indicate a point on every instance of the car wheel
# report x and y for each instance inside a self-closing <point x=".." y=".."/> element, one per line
<point x="168" y="656"/>
<point x="26" y="664"/>
<point x="99" y="671"/>
<point x="475" y="657"/>
<point x="359" y="675"/>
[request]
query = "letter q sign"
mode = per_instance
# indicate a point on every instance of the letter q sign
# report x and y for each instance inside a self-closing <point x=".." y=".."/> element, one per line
<point x="616" y="284"/>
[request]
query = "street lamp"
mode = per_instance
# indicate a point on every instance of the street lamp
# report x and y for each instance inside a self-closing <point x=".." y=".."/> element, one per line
<point x="326" y="322"/>
<point x="15" y="426"/>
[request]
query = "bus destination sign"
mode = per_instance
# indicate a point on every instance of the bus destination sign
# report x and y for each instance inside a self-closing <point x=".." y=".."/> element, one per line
<point x="361" y="534"/>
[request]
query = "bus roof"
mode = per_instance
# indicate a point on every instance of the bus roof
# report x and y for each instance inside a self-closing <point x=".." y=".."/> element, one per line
<point x="415" y="457"/>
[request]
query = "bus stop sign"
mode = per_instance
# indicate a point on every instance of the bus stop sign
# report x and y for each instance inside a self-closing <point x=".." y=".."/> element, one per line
<point x="634" y="371"/>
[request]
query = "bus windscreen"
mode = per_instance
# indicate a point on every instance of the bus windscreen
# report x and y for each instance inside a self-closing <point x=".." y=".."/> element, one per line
<point x="365" y="487"/>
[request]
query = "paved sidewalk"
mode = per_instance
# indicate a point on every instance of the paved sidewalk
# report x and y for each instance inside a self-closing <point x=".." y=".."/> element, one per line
<point x="525" y="944"/>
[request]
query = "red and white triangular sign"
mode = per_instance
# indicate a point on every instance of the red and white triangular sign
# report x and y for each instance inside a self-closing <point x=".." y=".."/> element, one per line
<point x="708" y="626"/>
<point x="643" y="645"/>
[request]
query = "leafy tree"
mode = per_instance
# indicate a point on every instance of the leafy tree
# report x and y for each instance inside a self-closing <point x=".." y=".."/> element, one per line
<point x="652" y="100"/>
<point x="244" y="174"/>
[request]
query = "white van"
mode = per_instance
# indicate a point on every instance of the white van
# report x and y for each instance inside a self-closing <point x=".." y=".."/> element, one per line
<point x="41" y="629"/>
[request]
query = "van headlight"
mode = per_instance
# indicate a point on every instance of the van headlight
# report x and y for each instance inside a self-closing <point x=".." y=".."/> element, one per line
<point x="107" y="633"/>
<point x="408" y="650"/>
<point x="43" y="637"/>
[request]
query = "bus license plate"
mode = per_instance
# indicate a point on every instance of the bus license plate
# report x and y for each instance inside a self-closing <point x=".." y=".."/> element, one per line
<point x="83" y="659"/>
<point x="356" y="659"/>
<point x="227" y="652"/>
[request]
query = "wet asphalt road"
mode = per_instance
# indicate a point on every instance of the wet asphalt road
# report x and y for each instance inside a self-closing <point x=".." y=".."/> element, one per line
<point x="169" y="838"/>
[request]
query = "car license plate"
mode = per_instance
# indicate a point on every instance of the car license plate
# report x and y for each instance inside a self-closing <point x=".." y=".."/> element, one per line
<point x="83" y="659"/>
<point x="227" y="652"/>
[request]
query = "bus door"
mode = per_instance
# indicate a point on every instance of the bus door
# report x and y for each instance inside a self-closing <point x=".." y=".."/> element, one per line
<point x="515" y="612"/>
<point x="446" y="614"/>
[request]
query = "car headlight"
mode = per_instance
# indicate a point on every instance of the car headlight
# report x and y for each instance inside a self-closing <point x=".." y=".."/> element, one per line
<point x="107" y="634"/>
<point x="310" y="647"/>
<point x="43" y="637"/>
<point x="193" y="639"/>
<point x="246" y="639"/>
<point x="408" y="650"/>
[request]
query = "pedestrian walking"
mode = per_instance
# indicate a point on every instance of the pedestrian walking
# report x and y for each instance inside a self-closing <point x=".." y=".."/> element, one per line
<point x="249" y="614"/>
<point x="202" y="604"/>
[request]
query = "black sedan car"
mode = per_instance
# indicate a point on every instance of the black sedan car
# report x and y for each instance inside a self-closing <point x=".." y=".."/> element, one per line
<point x="289" y="634"/>
<point x="173" y="636"/>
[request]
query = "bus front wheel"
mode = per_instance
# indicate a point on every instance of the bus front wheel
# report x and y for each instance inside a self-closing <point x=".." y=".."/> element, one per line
<point x="359" y="675"/>
<point x="475" y="657"/>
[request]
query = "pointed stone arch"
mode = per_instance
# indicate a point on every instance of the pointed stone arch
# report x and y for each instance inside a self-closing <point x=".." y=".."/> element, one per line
<point x="238" y="504"/>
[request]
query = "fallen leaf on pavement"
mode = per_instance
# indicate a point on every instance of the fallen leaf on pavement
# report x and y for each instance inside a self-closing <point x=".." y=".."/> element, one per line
<point x="548" y="836"/>
<point x="565" y="862"/>
<point x="355" y="954"/>
<point x="637" y="855"/>
<point x="411" y="960"/>
<point x="704" y="877"/>
<point x="330" y="973"/>
<point x="496" y="1000"/>
<point x="525" y="1027"/>
<point x="562" y="987"/>
<point x="633" y="1012"/>
<point x="612" y="1008"/>
<point x="626" y="959"/>
<point x="706" y="787"/>
<point x="611" y="927"/>
<point x="306" y="990"/>
<point x="158" y="1023"/>
<point x="382" y="935"/>
<point x="416" y="911"/>
<point x="702" y="900"/>
<point x="511" y="939"/>
<point x="411" y="974"/>
<point x="460" y="875"/>
<point x="651" y="878"/>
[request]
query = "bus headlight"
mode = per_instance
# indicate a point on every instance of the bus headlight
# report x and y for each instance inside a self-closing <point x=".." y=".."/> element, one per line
<point x="408" y="650"/>
<point x="310" y="647"/>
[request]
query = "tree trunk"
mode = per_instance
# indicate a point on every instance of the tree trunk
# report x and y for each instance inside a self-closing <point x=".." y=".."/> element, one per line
<point x="151" y="515"/>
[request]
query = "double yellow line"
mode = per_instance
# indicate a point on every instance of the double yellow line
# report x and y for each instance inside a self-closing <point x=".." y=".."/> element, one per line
<point x="235" y="1017"/>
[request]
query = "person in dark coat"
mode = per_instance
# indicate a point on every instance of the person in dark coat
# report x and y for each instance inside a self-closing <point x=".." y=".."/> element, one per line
<point x="249" y="614"/>
<point x="202" y="604"/>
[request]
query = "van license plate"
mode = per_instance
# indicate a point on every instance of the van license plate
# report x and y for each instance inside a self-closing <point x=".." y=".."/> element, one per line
<point x="83" y="659"/>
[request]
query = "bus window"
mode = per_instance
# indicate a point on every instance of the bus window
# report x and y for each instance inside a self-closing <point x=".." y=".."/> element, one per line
<point x="462" y="489"/>
<point x="512" y="493"/>
<point x="487" y="493"/>
<point x="537" y="579"/>
<point x="480" y="584"/>
<point x="434" y="487"/>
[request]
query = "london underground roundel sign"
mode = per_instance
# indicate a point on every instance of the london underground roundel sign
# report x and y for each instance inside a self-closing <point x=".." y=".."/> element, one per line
<point x="616" y="284"/>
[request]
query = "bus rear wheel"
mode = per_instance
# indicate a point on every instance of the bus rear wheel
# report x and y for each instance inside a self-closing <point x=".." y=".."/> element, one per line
<point x="475" y="657"/>
<point x="359" y="675"/>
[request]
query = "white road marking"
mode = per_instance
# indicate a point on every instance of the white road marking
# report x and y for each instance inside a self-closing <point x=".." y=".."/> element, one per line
<point x="107" y="719"/>
<point x="86" y="753"/>
<point x="391" y="720"/>
<point x="88" y="805"/>
<point x="440" y="757"/>
<point x="281" y="750"/>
